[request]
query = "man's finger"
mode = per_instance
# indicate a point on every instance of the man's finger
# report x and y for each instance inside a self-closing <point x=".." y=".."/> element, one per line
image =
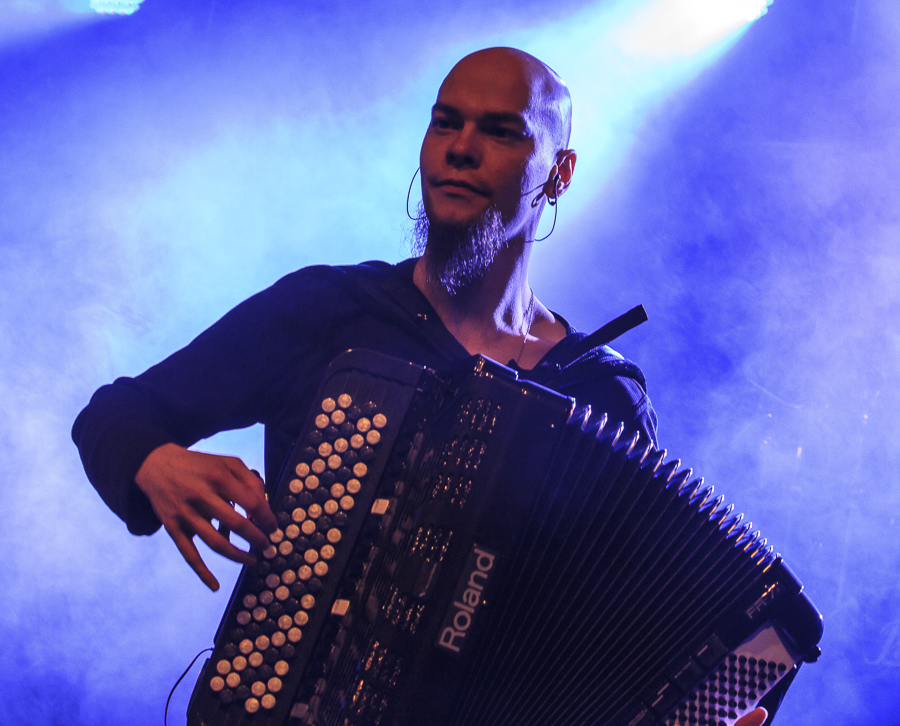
<point x="221" y="546"/>
<point x="192" y="556"/>
<point x="757" y="717"/>
<point x="249" y="491"/>
<point x="241" y="526"/>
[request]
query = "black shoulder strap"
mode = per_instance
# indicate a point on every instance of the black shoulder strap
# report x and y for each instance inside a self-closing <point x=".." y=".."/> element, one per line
<point x="609" y="332"/>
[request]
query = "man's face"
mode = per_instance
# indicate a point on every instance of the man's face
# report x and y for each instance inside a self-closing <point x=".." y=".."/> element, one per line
<point x="485" y="147"/>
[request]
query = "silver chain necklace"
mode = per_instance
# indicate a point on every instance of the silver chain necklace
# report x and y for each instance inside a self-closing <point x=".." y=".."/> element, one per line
<point x="529" y="316"/>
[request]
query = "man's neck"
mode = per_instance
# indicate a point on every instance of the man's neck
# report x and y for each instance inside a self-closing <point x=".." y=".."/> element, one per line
<point x="491" y="315"/>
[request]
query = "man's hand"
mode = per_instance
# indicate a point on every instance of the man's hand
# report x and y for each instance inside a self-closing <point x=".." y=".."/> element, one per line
<point x="756" y="717"/>
<point x="189" y="489"/>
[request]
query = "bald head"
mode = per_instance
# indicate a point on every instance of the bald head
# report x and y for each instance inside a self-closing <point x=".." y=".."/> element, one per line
<point x="495" y="150"/>
<point x="544" y="95"/>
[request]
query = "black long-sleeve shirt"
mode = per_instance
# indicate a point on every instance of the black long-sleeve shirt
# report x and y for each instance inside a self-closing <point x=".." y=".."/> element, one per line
<point x="264" y="360"/>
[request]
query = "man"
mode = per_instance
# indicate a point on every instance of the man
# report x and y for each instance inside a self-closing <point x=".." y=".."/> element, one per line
<point x="495" y="152"/>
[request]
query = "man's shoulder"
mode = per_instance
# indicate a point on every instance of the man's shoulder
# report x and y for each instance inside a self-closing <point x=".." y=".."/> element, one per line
<point x="600" y="376"/>
<point x="328" y="276"/>
<point x="573" y="360"/>
<point x="380" y="271"/>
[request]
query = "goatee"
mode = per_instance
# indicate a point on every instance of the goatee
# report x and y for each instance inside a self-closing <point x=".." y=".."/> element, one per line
<point x="458" y="254"/>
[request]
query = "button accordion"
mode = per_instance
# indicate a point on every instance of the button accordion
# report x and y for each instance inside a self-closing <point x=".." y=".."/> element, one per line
<point x="468" y="548"/>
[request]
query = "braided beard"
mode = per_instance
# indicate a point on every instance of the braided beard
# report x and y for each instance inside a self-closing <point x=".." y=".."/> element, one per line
<point x="458" y="254"/>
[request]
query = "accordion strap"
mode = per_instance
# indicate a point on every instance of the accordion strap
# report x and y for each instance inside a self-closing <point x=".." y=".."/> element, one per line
<point x="612" y="330"/>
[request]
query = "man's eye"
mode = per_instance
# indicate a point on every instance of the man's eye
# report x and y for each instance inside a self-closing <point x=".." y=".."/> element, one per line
<point x="440" y="123"/>
<point x="501" y="132"/>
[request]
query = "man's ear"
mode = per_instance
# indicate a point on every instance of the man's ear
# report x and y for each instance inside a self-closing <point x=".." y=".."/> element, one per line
<point x="560" y="174"/>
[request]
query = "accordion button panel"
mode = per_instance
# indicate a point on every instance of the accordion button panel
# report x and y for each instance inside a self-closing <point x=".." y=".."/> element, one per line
<point x="281" y="592"/>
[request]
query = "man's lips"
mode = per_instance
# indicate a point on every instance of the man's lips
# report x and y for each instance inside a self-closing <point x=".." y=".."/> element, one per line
<point x="452" y="185"/>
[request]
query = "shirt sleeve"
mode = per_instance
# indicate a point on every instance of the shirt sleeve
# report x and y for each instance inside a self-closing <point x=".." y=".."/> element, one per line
<point x="231" y="376"/>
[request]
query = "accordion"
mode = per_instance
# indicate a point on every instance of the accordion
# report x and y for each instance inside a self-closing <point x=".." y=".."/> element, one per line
<point x="468" y="548"/>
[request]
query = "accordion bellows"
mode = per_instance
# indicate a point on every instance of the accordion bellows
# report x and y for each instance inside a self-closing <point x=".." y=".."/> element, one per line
<point x="466" y="548"/>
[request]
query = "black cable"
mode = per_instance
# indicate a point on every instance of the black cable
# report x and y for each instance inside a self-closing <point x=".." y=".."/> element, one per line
<point x="180" y="679"/>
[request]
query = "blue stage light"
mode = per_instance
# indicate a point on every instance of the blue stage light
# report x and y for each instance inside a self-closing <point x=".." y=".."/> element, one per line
<point x="116" y="7"/>
<point x="670" y="28"/>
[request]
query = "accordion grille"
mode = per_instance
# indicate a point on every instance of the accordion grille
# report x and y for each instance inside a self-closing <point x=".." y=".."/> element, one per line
<point x="623" y="571"/>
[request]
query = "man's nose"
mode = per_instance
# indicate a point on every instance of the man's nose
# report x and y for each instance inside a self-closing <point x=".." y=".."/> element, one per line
<point x="463" y="150"/>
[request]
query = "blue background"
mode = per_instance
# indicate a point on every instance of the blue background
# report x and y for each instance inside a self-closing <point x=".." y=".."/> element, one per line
<point x="738" y="179"/>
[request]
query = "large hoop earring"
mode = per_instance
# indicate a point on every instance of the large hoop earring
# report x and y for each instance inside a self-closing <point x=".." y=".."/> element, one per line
<point x="553" y="203"/>
<point x="409" y="194"/>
